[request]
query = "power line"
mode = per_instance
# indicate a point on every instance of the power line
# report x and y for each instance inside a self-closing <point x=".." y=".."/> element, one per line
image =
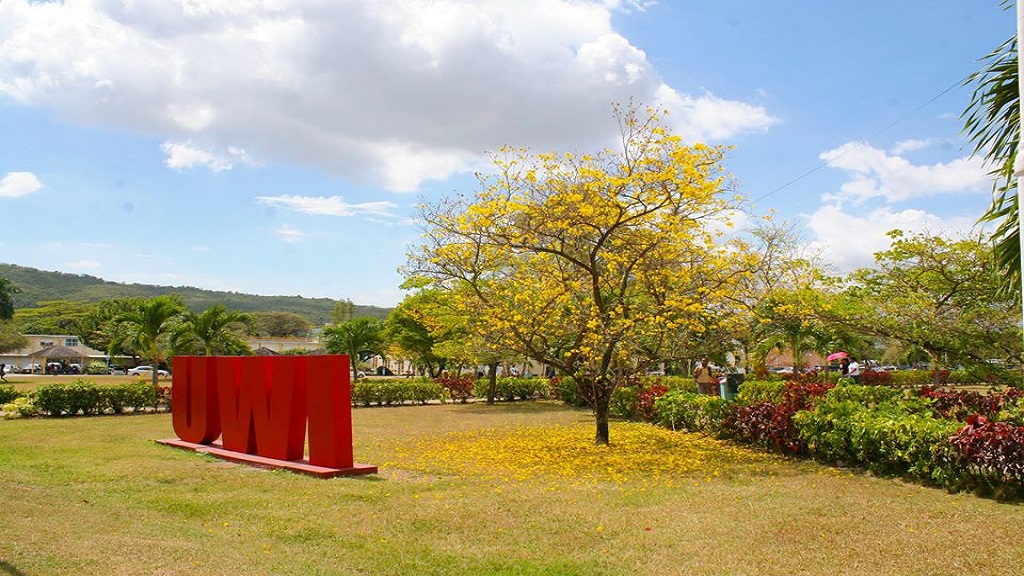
<point x="860" y="142"/>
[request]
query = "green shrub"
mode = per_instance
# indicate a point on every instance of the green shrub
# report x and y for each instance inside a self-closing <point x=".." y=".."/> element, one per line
<point x="365" y="393"/>
<point x="623" y="403"/>
<point x="691" y="411"/>
<point x="135" y="396"/>
<point x="69" y="399"/>
<point x="8" y="394"/>
<point x="423" y="391"/>
<point x="389" y="392"/>
<point x="564" y="388"/>
<point x="752" y="391"/>
<point x="885" y="430"/>
<point x="869" y="395"/>
<point x="1013" y="414"/>
<point x="514" y="388"/>
<point x="670" y="382"/>
<point x="22" y="406"/>
<point x="911" y="378"/>
<point x="96" y="367"/>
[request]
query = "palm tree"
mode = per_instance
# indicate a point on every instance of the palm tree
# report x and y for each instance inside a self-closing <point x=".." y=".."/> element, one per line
<point x="355" y="337"/>
<point x="216" y="330"/>
<point x="992" y="123"/>
<point x="144" y="328"/>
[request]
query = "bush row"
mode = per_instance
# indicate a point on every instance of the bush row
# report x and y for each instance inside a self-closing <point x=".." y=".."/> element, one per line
<point x="392" y="392"/>
<point x="919" y="434"/>
<point x="85" y="397"/>
<point x="369" y="392"/>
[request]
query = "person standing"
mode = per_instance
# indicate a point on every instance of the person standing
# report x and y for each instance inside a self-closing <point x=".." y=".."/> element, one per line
<point x="705" y="377"/>
<point x="3" y="371"/>
<point x="853" y="371"/>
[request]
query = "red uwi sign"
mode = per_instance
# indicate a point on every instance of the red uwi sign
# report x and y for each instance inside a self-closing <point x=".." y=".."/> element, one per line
<point x="261" y="408"/>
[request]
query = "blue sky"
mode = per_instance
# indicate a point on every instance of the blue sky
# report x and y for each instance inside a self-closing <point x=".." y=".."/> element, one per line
<point x="281" y="147"/>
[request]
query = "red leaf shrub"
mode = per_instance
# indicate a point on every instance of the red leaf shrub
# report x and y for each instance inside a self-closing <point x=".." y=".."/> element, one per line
<point x="876" y="378"/>
<point x="960" y="404"/>
<point x="163" y="397"/>
<point x="769" y="424"/>
<point x="992" y="454"/>
<point x="459" y="387"/>
<point x="645" y="401"/>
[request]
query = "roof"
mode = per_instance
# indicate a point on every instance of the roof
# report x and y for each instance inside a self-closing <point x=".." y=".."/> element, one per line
<point x="58" y="352"/>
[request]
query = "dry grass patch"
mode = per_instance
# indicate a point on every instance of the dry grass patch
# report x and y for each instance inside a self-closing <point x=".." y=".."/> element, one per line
<point x="472" y="489"/>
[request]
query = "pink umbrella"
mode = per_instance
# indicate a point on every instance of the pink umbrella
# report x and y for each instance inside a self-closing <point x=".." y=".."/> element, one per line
<point x="836" y="356"/>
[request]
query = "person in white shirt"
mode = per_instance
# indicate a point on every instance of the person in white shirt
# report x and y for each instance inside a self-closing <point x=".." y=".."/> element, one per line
<point x="854" y="370"/>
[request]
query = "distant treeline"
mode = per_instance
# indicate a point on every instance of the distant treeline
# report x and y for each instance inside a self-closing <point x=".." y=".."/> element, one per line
<point x="42" y="286"/>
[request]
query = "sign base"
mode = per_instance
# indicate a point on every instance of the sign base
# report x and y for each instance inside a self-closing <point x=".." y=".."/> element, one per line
<point x="298" y="466"/>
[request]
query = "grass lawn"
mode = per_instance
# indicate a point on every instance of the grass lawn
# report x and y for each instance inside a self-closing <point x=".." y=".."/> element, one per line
<point x="473" y="489"/>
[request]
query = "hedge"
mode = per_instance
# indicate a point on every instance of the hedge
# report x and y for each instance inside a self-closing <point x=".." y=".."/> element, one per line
<point x="514" y="388"/>
<point x="86" y="397"/>
<point x="392" y="392"/>
<point x="918" y="434"/>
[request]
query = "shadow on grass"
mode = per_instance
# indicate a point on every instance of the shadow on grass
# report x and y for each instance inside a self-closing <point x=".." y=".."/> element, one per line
<point x="6" y="568"/>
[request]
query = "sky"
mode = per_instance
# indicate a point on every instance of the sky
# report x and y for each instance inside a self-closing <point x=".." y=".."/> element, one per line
<point x="281" y="147"/>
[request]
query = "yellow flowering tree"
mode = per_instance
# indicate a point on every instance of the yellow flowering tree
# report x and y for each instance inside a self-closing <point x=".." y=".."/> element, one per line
<point x="590" y="263"/>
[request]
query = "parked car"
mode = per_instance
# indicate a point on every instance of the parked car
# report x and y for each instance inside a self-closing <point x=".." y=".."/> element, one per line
<point x="115" y="369"/>
<point x="145" y="370"/>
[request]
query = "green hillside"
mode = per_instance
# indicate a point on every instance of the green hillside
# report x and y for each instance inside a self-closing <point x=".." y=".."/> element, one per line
<point x="41" y="286"/>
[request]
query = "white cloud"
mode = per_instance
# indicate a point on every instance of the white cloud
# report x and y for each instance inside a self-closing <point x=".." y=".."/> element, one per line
<point x="875" y="174"/>
<point x="17" y="184"/>
<point x="327" y="206"/>
<point x="849" y="241"/>
<point x="335" y="84"/>
<point x="707" y="117"/>
<point x="185" y="155"/>
<point x="911" y="145"/>
<point x="290" y="235"/>
<point x="84" y="265"/>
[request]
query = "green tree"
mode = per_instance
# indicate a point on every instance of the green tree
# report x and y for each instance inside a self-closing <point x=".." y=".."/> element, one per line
<point x="992" y="123"/>
<point x="216" y="330"/>
<point x="7" y="292"/>
<point x="418" y="327"/>
<point x="281" y="324"/>
<point x="581" y="262"/>
<point x="98" y="328"/>
<point x="145" y="329"/>
<point x="53" y="317"/>
<point x="359" y="338"/>
<point x="10" y="337"/>
<point x="940" y="295"/>
<point x="343" y="311"/>
<point x="791" y="320"/>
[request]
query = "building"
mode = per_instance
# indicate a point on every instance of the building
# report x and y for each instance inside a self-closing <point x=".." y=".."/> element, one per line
<point x="47" y="348"/>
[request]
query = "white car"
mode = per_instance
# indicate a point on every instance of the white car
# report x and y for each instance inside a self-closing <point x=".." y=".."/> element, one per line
<point x="145" y="370"/>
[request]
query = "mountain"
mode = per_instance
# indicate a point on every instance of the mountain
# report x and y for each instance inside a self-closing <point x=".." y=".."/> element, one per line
<point x="41" y="286"/>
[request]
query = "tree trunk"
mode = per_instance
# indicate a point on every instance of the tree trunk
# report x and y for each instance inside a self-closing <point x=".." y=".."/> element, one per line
<point x="601" y="418"/>
<point x="492" y="381"/>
